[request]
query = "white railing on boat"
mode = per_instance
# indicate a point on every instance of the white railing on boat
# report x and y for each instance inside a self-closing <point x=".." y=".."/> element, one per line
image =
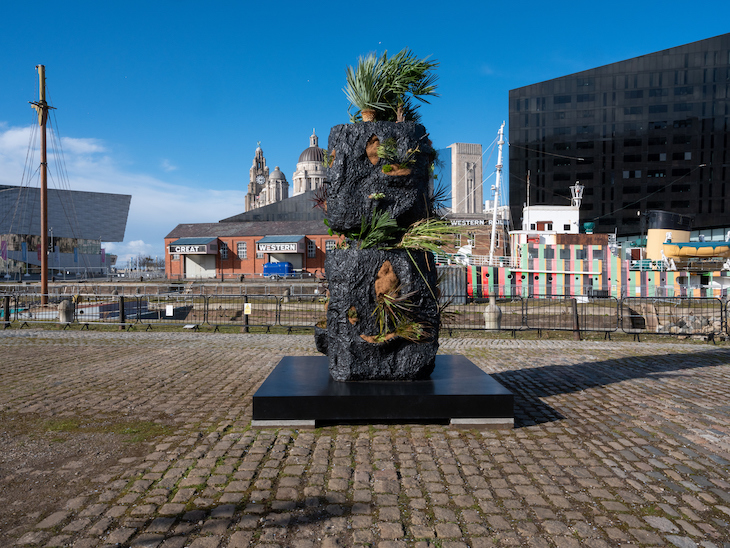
<point x="477" y="260"/>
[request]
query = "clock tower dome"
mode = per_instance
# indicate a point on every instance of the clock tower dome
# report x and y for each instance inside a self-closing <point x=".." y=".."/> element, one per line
<point x="257" y="179"/>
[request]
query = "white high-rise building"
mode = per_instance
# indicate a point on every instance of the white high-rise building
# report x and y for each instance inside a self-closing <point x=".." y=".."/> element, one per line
<point x="466" y="178"/>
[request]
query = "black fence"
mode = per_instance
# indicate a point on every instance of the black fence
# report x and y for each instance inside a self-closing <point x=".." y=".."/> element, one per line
<point x="678" y="316"/>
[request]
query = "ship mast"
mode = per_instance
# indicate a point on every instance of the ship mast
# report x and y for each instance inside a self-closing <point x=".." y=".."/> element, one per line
<point x="42" y="107"/>
<point x="498" y="180"/>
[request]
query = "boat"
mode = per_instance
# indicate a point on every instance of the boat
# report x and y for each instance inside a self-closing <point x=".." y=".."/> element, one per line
<point x="554" y="254"/>
<point x="676" y="250"/>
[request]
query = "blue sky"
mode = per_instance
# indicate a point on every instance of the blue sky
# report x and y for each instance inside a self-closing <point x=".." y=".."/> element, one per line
<point x="166" y="100"/>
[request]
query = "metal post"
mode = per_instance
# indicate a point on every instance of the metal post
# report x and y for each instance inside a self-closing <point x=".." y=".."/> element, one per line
<point x="122" y="316"/>
<point x="576" y="323"/>
<point x="244" y="329"/>
<point x="6" y="310"/>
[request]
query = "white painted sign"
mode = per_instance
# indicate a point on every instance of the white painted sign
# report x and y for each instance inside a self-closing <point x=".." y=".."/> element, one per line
<point x="277" y="248"/>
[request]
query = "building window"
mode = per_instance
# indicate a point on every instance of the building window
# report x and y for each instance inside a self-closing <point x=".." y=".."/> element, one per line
<point x="176" y="257"/>
<point x="566" y="228"/>
<point x="457" y="239"/>
<point x="242" y="252"/>
<point x="683" y="107"/>
<point x="329" y="245"/>
<point x="259" y="254"/>
<point x="311" y="249"/>
<point x="580" y="254"/>
<point x="471" y="238"/>
<point x="224" y="251"/>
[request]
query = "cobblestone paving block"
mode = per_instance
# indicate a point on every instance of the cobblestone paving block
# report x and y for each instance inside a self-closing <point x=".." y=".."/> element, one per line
<point x="614" y="443"/>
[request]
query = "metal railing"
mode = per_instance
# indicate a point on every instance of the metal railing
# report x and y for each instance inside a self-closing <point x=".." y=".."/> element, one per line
<point x="572" y="313"/>
<point x="682" y="316"/>
<point x="679" y="316"/>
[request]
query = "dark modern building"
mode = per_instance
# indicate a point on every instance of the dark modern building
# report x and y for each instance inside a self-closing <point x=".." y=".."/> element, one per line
<point x="642" y="134"/>
<point x="78" y="225"/>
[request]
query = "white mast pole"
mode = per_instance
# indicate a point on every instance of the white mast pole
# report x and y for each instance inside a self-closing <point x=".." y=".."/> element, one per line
<point x="498" y="180"/>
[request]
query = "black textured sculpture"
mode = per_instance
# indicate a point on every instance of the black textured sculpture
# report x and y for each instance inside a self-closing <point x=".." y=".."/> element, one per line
<point x="353" y="178"/>
<point x="383" y="314"/>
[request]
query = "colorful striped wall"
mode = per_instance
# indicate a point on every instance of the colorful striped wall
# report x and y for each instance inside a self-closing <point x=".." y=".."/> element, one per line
<point x="582" y="270"/>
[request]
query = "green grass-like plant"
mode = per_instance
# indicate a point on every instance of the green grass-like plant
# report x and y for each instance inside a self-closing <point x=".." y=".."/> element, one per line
<point x="380" y="230"/>
<point x="365" y="85"/>
<point x="427" y="235"/>
<point x="389" y="86"/>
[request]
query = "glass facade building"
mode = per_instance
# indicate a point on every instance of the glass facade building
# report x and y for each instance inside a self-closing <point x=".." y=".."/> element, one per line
<point x="649" y="133"/>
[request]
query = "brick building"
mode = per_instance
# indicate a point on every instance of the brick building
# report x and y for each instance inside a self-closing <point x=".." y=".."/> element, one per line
<point x="227" y="250"/>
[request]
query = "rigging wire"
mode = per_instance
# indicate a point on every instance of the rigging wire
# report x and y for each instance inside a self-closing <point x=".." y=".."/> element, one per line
<point x="23" y="210"/>
<point x="60" y="167"/>
<point x="551" y="192"/>
<point x="651" y="194"/>
<point x="547" y="153"/>
<point x="26" y="177"/>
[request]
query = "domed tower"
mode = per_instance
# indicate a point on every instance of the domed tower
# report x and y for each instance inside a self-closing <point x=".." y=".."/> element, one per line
<point x="276" y="189"/>
<point x="258" y="178"/>
<point x="310" y="173"/>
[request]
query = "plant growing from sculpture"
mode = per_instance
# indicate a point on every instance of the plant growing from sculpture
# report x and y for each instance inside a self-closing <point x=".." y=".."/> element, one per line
<point x="365" y="87"/>
<point x="381" y="228"/>
<point x="408" y="78"/>
<point x="386" y="88"/>
<point x="427" y="235"/>
<point x="396" y="163"/>
<point x="328" y="157"/>
<point x="394" y="316"/>
<point x="319" y="197"/>
<point x="394" y="310"/>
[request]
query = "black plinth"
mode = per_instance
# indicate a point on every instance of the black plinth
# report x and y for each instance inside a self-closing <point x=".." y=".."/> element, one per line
<point x="300" y="391"/>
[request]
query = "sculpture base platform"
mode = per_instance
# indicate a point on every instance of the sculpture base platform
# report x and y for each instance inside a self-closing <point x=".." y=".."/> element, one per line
<point x="299" y="393"/>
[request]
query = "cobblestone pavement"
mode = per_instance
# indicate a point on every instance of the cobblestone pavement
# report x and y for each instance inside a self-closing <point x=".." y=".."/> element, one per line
<point x="615" y="444"/>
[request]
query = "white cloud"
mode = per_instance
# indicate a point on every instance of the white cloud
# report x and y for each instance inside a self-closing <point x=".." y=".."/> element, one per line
<point x="156" y="207"/>
<point x="81" y="146"/>
<point x="167" y="166"/>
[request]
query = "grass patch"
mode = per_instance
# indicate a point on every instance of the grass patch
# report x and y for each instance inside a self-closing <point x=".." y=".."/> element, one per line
<point x="140" y="431"/>
<point x="131" y="431"/>
<point x="62" y="425"/>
